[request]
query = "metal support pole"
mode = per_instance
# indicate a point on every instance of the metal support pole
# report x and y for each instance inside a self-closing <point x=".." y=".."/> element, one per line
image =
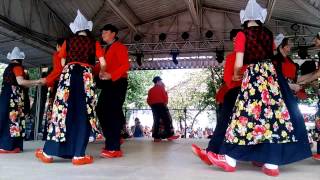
<point x="38" y="106"/>
<point x="185" y="122"/>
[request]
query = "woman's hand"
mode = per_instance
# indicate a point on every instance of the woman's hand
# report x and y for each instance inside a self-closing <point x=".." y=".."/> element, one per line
<point x="42" y="81"/>
<point x="295" y="87"/>
<point x="104" y="75"/>
<point x="237" y="77"/>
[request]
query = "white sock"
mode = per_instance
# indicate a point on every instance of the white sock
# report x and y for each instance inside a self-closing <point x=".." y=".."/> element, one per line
<point x="91" y="139"/>
<point x="271" y="166"/>
<point x="77" y="157"/>
<point x="46" y="155"/>
<point x="232" y="162"/>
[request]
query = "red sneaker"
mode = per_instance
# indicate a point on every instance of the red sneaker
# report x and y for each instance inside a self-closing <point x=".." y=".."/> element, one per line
<point x="316" y="157"/>
<point x="220" y="161"/>
<point x="174" y="137"/>
<point x="82" y="161"/>
<point x="111" y="154"/>
<point x="16" y="150"/>
<point x="201" y="153"/>
<point x="157" y="140"/>
<point x="257" y="164"/>
<point x="39" y="154"/>
<point x="270" y="172"/>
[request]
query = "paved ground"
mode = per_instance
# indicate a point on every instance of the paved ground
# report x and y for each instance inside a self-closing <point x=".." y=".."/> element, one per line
<point x="143" y="160"/>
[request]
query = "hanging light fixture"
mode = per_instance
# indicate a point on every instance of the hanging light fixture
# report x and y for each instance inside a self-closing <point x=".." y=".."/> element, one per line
<point x="162" y="37"/>
<point x="175" y="53"/>
<point x="139" y="56"/>
<point x="209" y="34"/>
<point x="185" y="36"/>
<point x="220" y="55"/>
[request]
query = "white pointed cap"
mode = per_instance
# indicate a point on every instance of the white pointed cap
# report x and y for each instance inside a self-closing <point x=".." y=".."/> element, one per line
<point x="15" y="54"/>
<point x="80" y="23"/>
<point x="253" y="11"/>
<point x="278" y="40"/>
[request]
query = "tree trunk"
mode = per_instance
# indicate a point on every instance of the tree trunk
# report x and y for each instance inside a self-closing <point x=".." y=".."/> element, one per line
<point x="195" y="117"/>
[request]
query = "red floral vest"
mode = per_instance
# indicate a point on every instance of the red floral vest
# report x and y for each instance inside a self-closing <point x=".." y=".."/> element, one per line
<point x="81" y="49"/>
<point x="259" y="44"/>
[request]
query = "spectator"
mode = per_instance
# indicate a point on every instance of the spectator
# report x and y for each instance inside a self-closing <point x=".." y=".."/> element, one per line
<point x="137" y="129"/>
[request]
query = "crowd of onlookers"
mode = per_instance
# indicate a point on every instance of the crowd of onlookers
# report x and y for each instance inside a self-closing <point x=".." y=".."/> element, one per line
<point x="138" y="130"/>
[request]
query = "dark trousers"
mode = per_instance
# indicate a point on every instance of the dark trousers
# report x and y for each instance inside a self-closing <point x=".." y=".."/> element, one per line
<point x="109" y="111"/>
<point x="161" y="117"/>
<point x="318" y="147"/>
<point x="223" y="120"/>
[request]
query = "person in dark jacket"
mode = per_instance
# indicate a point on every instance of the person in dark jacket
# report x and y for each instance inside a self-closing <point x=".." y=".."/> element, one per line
<point x="12" y="103"/>
<point x="158" y="100"/>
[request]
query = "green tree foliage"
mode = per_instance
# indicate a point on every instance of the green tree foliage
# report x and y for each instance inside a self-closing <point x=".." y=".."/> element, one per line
<point x="2" y="68"/>
<point x="196" y="94"/>
<point x="33" y="73"/>
<point x="312" y="93"/>
<point x="213" y="82"/>
<point x="139" y="83"/>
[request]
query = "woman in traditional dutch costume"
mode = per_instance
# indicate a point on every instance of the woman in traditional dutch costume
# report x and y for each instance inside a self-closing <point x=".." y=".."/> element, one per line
<point x="284" y="64"/>
<point x="227" y="95"/>
<point x="12" y="117"/>
<point x="316" y="156"/>
<point x="52" y="81"/>
<point x="309" y="74"/>
<point x="73" y="115"/>
<point x="289" y="69"/>
<point x="263" y="126"/>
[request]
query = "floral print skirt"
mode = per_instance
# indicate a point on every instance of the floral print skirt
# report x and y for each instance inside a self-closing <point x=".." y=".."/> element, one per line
<point x="317" y="127"/>
<point x="73" y="114"/>
<point x="266" y="125"/>
<point x="48" y="109"/>
<point x="12" y="118"/>
<point x="316" y="134"/>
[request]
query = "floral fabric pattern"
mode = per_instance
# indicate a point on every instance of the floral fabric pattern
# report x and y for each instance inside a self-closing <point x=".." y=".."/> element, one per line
<point x="16" y="116"/>
<point x="48" y="106"/>
<point x="260" y="114"/>
<point x="316" y="135"/>
<point x="57" y="123"/>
